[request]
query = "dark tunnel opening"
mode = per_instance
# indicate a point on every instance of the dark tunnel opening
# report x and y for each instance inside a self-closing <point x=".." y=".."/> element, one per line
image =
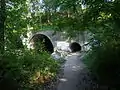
<point x="41" y="41"/>
<point x="75" y="47"/>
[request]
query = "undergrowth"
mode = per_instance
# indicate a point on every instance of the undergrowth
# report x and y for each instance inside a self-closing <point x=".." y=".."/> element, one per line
<point x="26" y="70"/>
<point x="104" y="63"/>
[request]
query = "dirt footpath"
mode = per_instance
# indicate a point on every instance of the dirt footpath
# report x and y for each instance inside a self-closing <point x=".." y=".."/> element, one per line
<point x="76" y="75"/>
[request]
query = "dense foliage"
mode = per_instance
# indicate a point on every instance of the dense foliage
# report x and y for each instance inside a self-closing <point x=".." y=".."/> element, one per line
<point x="100" y="17"/>
<point x="26" y="70"/>
<point x="21" y="68"/>
<point x="103" y="20"/>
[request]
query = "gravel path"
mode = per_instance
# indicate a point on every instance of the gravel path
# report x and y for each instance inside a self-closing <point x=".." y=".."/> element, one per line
<point x="76" y="75"/>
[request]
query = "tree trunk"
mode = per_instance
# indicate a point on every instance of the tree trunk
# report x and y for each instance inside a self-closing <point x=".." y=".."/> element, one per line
<point x="2" y="26"/>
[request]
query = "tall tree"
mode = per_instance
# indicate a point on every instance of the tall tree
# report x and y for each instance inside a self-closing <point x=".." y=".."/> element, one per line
<point x="2" y="27"/>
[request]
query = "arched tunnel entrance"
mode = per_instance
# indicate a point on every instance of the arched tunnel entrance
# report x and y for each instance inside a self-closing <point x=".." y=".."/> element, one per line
<point x="41" y="42"/>
<point x="75" y="47"/>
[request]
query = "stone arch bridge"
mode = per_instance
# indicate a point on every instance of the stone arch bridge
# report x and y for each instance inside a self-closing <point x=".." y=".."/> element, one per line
<point x="56" y="39"/>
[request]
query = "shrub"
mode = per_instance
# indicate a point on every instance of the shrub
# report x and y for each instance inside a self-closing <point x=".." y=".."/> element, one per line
<point x="104" y="63"/>
<point x="25" y="69"/>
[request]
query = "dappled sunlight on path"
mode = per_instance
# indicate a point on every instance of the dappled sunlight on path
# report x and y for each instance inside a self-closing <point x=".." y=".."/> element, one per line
<point x="76" y="76"/>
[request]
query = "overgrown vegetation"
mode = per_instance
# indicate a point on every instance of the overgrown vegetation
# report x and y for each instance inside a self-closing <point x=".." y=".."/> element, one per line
<point x="26" y="70"/>
<point x="104" y="59"/>
<point x="100" y="17"/>
<point x="104" y="63"/>
<point x="21" y="68"/>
